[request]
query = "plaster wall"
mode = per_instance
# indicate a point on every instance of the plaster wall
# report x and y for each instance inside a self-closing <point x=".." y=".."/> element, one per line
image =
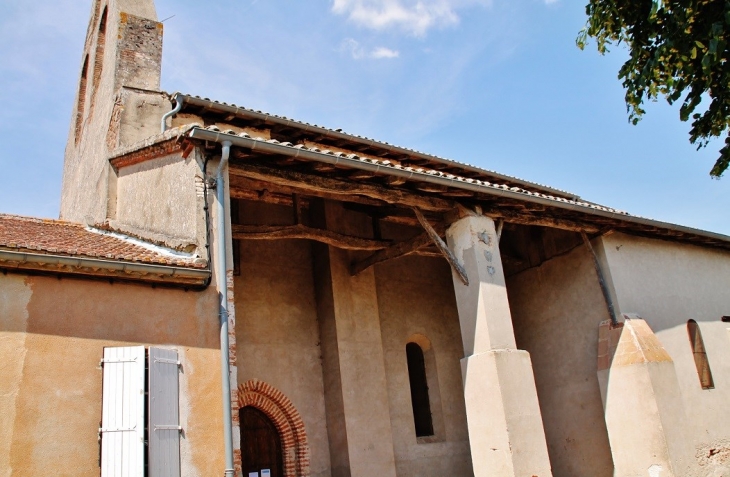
<point x="668" y="283"/>
<point x="416" y="297"/>
<point x="277" y="335"/>
<point x="52" y="335"/>
<point x="353" y="354"/>
<point x="129" y="55"/>
<point x="556" y="309"/>
<point x="162" y="200"/>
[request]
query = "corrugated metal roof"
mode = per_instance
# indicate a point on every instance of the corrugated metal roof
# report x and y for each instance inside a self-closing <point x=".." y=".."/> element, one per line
<point x="266" y="117"/>
<point x="420" y="171"/>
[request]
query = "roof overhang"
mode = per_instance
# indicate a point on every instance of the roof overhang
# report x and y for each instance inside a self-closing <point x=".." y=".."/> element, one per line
<point x="590" y="216"/>
<point x="23" y="261"/>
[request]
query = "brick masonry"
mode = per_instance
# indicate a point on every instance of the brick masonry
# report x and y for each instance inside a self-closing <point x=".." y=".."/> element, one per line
<point x="287" y="420"/>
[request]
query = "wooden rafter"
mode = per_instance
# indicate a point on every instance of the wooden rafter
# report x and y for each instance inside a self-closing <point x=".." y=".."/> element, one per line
<point x="282" y="232"/>
<point x="400" y="249"/>
<point x="328" y="187"/>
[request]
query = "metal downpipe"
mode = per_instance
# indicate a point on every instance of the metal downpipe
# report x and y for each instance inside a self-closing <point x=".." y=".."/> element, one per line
<point x="178" y="106"/>
<point x="222" y="285"/>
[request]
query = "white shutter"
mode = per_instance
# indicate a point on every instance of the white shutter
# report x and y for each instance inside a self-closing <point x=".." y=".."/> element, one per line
<point x="164" y="422"/>
<point x="122" y="421"/>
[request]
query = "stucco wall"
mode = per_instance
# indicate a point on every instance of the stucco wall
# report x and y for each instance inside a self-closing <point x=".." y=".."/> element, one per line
<point x="52" y="334"/>
<point x="668" y="283"/>
<point x="277" y="335"/>
<point x="416" y="296"/>
<point x="162" y="200"/>
<point x="556" y="309"/>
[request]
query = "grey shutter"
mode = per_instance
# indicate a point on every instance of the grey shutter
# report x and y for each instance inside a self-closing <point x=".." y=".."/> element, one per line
<point x="164" y="421"/>
<point x="122" y="420"/>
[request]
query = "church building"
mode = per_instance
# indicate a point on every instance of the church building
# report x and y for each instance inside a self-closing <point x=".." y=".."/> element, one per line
<point x="229" y="292"/>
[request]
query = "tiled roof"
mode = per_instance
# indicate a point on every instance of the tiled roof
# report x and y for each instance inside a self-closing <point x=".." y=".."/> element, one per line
<point x="58" y="237"/>
<point x="422" y="173"/>
<point x="339" y="132"/>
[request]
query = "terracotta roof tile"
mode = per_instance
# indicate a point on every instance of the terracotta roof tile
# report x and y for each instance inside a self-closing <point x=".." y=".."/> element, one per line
<point x="59" y="237"/>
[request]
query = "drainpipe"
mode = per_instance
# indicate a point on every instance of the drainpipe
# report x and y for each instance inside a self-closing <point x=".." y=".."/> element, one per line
<point x="178" y="98"/>
<point x="221" y="283"/>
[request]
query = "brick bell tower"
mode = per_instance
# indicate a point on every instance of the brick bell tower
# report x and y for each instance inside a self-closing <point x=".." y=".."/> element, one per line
<point x="118" y="102"/>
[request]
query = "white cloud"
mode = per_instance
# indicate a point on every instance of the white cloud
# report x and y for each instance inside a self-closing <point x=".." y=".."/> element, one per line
<point x="412" y="16"/>
<point x="358" y="52"/>
<point x="383" y="52"/>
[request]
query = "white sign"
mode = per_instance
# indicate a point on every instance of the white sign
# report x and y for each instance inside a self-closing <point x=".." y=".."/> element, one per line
<point x="265" y="472"/>
<point x="253" y="474"/>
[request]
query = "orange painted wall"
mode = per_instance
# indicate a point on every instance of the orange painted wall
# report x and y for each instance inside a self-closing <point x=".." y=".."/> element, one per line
<point x="52" y="334"/>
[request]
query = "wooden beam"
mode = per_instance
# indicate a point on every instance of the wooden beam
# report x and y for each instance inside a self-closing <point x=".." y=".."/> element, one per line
<point x="265" y="196"/>
<point x="522" y="218"/>
<point x="400" y="249"/>
<point x="443" y="248"/>
<point x="394" y="180"/>
<point x="318" y="185"/>
<point x="239" y="185"/>
<point x="282" y="232"/>
<point x="428" y="253"/>
<point x="360" y="175"/>
<point x="601" y="280"/>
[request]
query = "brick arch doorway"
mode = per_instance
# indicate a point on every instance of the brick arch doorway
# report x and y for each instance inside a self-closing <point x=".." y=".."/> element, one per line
<point x="286" y="419"/>
<point x="260" y="444"/>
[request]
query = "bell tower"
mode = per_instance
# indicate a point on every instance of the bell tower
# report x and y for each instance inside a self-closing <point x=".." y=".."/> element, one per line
<point x="118" y="101"/>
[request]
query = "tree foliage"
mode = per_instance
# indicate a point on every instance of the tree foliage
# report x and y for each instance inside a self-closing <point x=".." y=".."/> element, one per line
<point x="678" y="49"/>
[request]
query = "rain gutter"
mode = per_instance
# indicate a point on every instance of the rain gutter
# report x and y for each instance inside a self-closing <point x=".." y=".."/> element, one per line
<point x="270" y="148"/>
<point x="171" y="272"/>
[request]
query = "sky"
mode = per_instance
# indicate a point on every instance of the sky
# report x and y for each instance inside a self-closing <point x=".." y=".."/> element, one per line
<point x="498" y="84"/>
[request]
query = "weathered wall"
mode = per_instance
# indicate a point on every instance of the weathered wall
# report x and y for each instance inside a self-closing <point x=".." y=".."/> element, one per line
<point x="14" y="297"/>
<point x="127" y="51"/>
<point x="416" y="296"/>
<point x="162" y="200"/>
<point x="52" y="334"/>
<point x="556" y="310"/>
<point x="667" y="283"/>
<point x="277" y="336"/>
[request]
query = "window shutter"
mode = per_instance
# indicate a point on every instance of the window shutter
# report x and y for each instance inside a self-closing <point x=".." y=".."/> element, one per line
<point x="122" y="421"/>
<point x="164" y="421"/>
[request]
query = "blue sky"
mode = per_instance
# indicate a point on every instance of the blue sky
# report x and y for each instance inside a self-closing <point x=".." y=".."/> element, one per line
<point x="495" y="83"/>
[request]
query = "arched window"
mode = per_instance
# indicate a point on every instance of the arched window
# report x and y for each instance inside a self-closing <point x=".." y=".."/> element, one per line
<point x="98" y="56"/>
<point x="419" y="390"/>
<point x="698" y="350"/>
<point x="81" y="100"/>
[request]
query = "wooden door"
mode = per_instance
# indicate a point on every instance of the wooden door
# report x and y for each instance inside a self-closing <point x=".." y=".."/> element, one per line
<point x="260" y="443"/>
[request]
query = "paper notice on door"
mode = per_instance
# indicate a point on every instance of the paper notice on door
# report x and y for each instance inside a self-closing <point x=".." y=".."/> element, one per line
<point x="265" y="472"/>
<point x="253" y="474"/>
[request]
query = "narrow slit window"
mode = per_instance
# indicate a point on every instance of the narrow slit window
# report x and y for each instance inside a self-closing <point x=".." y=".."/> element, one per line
<point x="700" y="355"/>
<point x="81" y="100"/>
<point x="419" y="390"/>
